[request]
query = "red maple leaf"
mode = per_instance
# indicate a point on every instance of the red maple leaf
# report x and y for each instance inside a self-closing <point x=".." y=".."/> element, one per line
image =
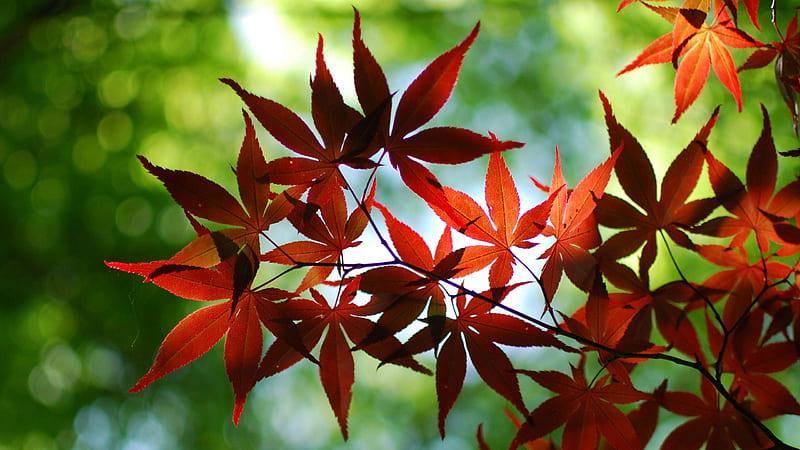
<point x="750" y="360"/>
<point x="573" y="226"/>
<point x="347" y="135"/>
<point x="672" y="213"/>
<point x="240" y="317"/>
<point x="645" y="417"/>
<point x="503" y="228"/>
<point x="351" y="138"/>
<point x="587" y="409"/>
<point x="699" y="47"/>
<point x="715" y="422"/>
<point x="757" y="208"/>
<point x="421" y="101"/>
<point x="606" y="320"/>
<point x="731" y="5"/>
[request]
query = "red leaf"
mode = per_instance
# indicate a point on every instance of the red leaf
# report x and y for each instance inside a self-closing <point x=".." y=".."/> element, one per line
<point x="281" y="355"/>
<point x="633" y="168"/>
<point x="478" y="328"/>
<point x="190" y="339"/>
<point x="671" y="213"/>
<point x="425" y="184"/>
<point x="586" y="410"/>
<point x="370" y="81"/>
<point x="243" y="352"/>
<point x="282" y="124"/>
<point x="250" y="167"/>
<point x="451" y="368"/>
<point x="332" y="117"/>
<point x="708" y="47"/>
<point x="332" y="232"/>
<point x="574" y="227"/>
<point x="191" y="283"/>
<point x="448" y="145"/>
<point x="494" y="367"/>
<point x="721" y="426"/>
<point x="694" y="48"/>
<point x="658" y="52"/>
<point x="430" y="90"/>
<point x="410" y="246"/>
<point x="502" y="197"/>
<point x="760" y="58"/>
<point x="295" y="171"/>
<point x="337" y="372"/>
<point x="757" y="208"/>
<point x="198" y="195"/>
<point x="692" y="74"/>
<point x="504" y="231"/>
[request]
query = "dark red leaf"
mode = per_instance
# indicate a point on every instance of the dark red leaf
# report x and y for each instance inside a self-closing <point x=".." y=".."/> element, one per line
<point x="243" y="353"/>
<point x="199" y="195"/>
<point x="282" y="123"/>
<point x="430" y="90"/>
<point x="449" y="145"/>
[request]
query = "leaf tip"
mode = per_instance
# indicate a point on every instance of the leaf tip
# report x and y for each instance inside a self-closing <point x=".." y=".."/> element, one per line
<point x="141" y="384"/>
<point x="237" y="410"/>
<point x="234" y="85"/>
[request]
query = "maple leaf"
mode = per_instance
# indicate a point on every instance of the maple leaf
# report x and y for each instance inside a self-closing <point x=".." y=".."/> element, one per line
<point x="332" y="232"/>
<point x="573" y="226"/>
<point x="348" y="136"/>
<point x="587" y="409"/>
<point x="351" y="138"/>
<point x="343" y="320"/>
<point x="240" y="317"/>
<point x="709" y="47"/>
<point x="421" y="101"/>
<point x="750" y="362"/>
<point x="719" y="427"/>
<point x="699" y="47"/>
<point x="503" y="227"/>
<point x="757" y="208"/>
<point x="205" y="199"/>
<point x="480" y="330"/>
<point x="786" y="54"/>
<point x="672" y="213"/>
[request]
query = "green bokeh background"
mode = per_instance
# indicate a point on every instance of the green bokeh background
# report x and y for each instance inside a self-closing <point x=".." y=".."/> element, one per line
<point x="87" y="84"/>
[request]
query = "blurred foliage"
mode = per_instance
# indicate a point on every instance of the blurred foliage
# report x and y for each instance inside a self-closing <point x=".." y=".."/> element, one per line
<point x="87" y="84"/>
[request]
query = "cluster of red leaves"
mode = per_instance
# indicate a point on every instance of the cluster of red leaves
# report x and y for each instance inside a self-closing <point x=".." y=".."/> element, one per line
<point x="751" y="306"/>
<point x="703" y="33"/>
